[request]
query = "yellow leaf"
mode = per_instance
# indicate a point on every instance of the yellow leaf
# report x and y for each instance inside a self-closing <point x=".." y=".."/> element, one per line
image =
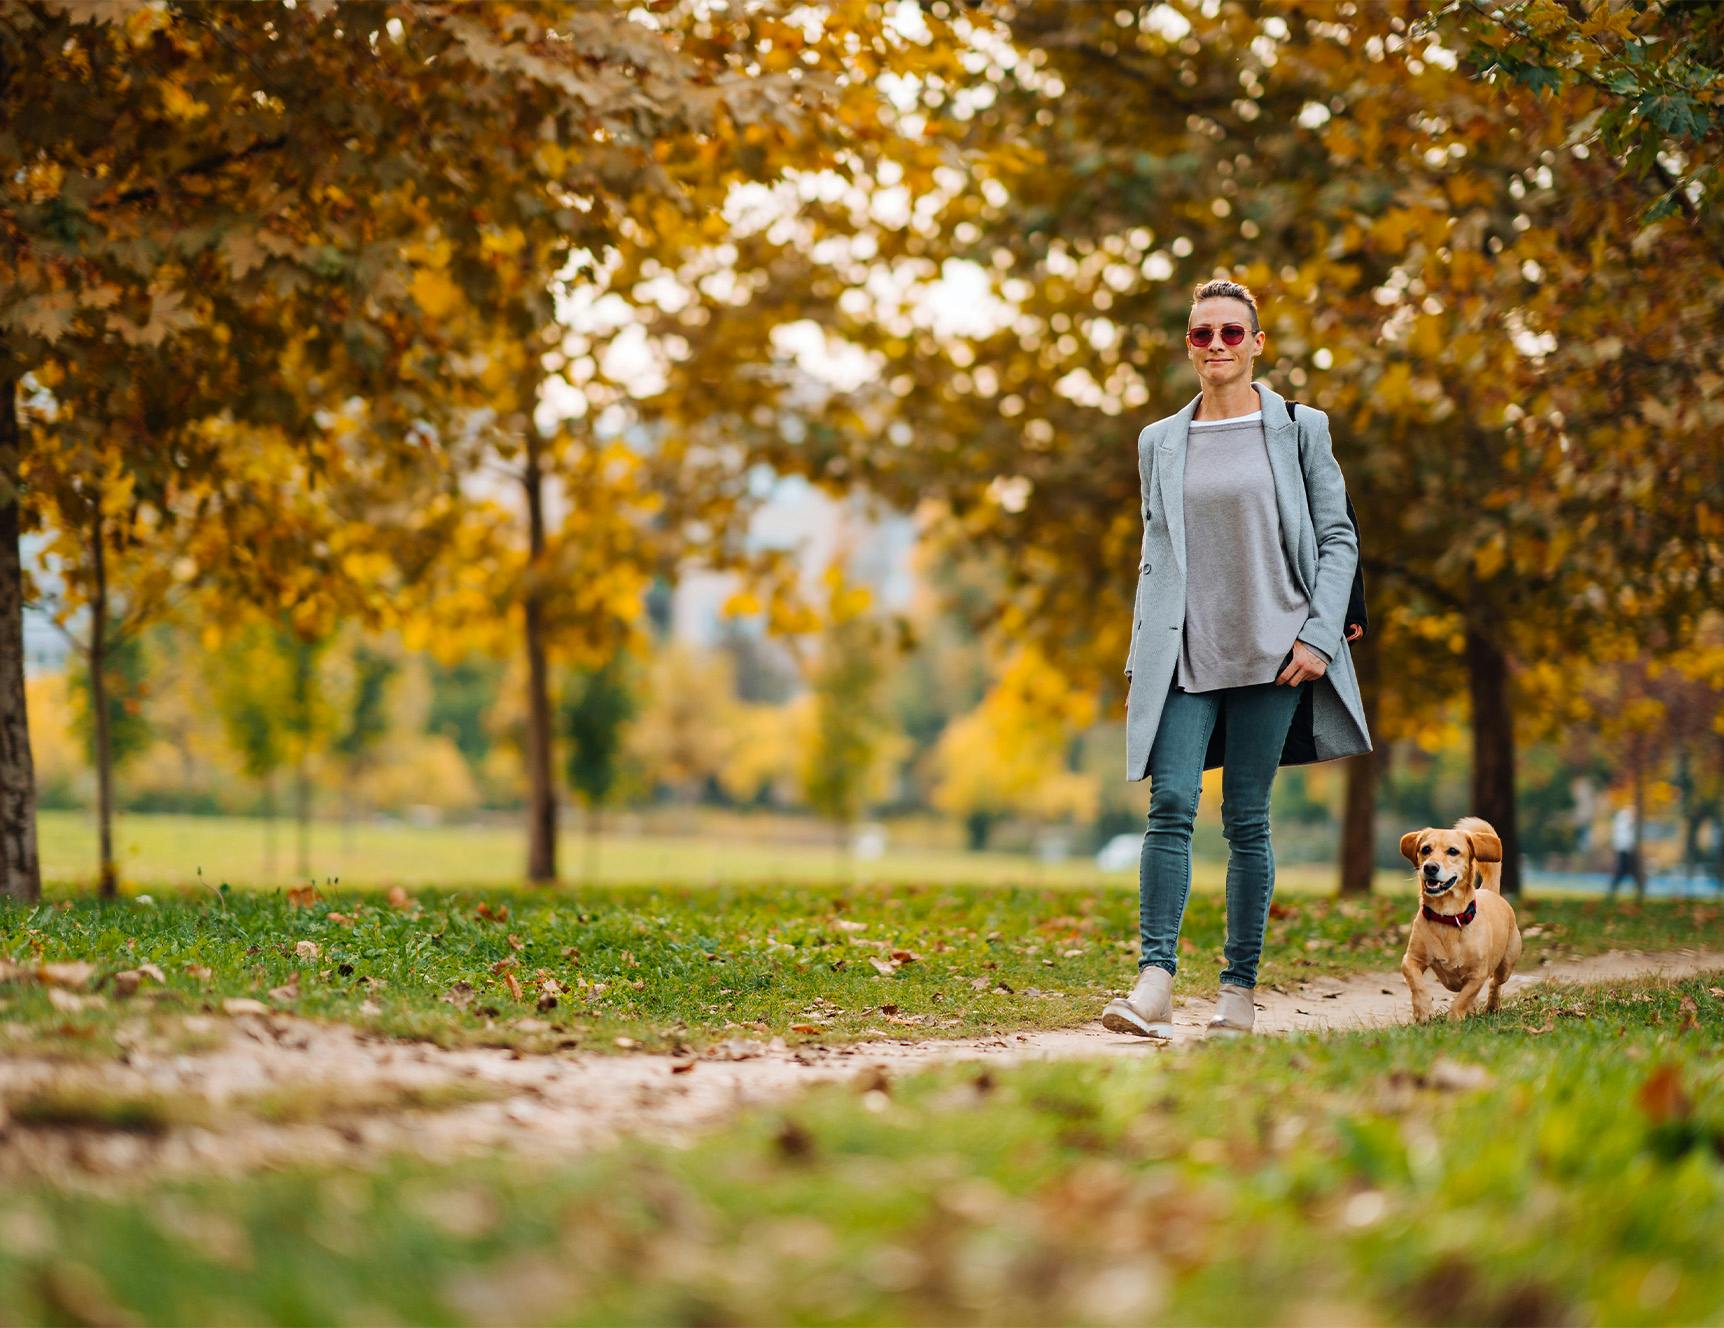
<point x="1488" y="557"/>
<point x="435" y="293"/>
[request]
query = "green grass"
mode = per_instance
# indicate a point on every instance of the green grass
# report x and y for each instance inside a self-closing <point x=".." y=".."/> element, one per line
<point x="160" y="850"/>
<point x="684" y="967"/>
<point x="1561" y="1161"/>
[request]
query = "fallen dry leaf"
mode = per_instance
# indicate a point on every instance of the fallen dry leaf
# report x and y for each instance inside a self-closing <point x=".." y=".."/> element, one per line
<point x="69" y="1002"/>
<point x="845" y="924"/>
<point x="516" y="943"/>
<point x="153" y="973"/>
<point x="682" y="1067"/>
<point x="1661" y="1096"/>
<point x="306" y="950"/>
<point x="288" y="991"/>
<point x="884" y="967"/>
<point x="805" y="1028"/>
<point x="341" y="919"/>
<point x="237" y="1005"/>
<point x="399" y="898"/>
<point x="199" y="972"/>
<point x="301" y="896"/>
<point x="1549" y="1024"/>
<point x="1458" y="1076"/>
<point x="626" y="1043"/>
<point x="72" y="973"/>
<point x="460" y="995"/>
<point x="905" y="956"/>
<point x="1690" y="1014"/>
<point x="513" y="985"/>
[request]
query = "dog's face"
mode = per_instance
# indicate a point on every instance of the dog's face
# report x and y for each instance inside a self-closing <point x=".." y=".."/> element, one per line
<point x="1443" y="860"/>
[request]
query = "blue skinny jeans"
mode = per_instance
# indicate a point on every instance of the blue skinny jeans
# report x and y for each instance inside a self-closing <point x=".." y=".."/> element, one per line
<point x="1258" y="718"/>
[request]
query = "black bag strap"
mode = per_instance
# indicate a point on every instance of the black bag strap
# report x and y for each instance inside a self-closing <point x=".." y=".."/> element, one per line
<point x="1356" y="612"/>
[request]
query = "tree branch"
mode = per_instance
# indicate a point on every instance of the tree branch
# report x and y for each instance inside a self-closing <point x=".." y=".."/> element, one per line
<point x="207" y="165"/>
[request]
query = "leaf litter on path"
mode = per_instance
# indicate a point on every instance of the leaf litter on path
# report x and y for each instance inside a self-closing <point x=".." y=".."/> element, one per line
<point x="572" y="1102"/>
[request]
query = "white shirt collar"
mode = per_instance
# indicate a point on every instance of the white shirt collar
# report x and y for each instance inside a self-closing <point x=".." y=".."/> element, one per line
<point x="1231" y="419"/>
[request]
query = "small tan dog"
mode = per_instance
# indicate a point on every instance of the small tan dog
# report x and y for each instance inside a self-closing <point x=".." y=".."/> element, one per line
<point x="1465" y="930"/>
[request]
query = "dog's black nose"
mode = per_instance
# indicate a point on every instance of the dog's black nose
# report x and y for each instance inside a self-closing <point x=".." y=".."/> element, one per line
<point x="1431" y="870"/>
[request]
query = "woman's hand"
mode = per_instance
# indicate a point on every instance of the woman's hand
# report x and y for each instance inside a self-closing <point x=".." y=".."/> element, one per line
<point x="1305" y="666"/>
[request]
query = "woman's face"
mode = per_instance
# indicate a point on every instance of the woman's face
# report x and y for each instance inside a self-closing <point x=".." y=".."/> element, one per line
<point x="1218" y="364"/>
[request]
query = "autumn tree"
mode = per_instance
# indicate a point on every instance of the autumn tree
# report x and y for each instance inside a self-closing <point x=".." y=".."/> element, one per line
<point x="248" y="678"/>
<point x="1011" y="755"/>
<point x="596" y="704"/>
<point x="364" y="722"/>
<point x="1459" y="274"/>
<point x="226" y="213"/>
<point x="853" y="748"/>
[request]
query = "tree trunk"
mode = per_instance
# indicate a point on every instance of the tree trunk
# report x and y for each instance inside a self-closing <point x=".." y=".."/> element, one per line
<point x="302" y="814"/>
<point x="1493" y="749"/>
<point x="347" y="783"/>
<point x="104" y="753"/>
<point x="541" y="803"/>
<point x="590" y="868"/>
<point x="269" y="827"/>
<point x="20" y="869"/>
<point x="1359" y="819"/>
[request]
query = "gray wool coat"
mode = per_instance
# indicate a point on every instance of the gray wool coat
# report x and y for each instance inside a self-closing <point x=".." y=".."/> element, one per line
<point x="1322" y="551"/>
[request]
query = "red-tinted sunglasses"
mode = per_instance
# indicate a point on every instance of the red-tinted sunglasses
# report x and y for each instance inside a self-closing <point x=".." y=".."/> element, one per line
<point x="1231" y="334"/>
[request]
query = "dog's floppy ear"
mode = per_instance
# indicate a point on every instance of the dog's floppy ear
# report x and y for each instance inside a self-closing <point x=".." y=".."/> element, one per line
<point x="1410" y="845"/>
<point x="1486" y="847"/>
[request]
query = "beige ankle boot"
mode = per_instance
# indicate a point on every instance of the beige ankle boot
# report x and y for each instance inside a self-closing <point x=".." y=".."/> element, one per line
<point x="1148" y="1011"/>
<point x="1235" y="1011"/>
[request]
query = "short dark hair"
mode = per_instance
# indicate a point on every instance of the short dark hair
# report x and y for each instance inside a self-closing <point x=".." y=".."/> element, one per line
<point x="1228" y="290"/>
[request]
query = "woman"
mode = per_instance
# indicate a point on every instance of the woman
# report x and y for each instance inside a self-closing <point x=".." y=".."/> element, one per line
<point x="1242" y="590"/>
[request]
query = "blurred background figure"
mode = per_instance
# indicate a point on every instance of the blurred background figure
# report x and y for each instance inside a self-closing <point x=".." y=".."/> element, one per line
<point x="1622" y="841"/>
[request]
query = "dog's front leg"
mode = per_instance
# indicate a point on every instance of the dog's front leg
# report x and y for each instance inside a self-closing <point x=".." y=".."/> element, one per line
<point x="1462" y="1005"/>
<point x="1413" y="970"/>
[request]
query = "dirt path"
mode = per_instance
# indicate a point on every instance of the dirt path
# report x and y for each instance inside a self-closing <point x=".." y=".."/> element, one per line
<point x="357" y="1091"/>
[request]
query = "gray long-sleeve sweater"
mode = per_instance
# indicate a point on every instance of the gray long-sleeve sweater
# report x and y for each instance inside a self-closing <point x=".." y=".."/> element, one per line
<point x="1242" y="609"/>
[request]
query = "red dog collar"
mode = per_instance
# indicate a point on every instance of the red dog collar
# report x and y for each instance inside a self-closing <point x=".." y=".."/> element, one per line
<point x="1452" y="919"/>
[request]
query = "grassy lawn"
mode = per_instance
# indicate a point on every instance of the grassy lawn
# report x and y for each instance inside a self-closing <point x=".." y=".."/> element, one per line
<point x="1562" y="1161"/>
<point x="683" y="967"/>
<point x="724" y="849"/>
